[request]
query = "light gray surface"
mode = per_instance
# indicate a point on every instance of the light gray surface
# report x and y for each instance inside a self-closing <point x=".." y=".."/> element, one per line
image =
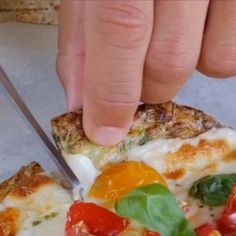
<point x="27" y="53"/>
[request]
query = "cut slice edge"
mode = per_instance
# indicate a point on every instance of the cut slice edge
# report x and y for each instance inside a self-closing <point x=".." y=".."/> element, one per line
<point x="168" y="120"/>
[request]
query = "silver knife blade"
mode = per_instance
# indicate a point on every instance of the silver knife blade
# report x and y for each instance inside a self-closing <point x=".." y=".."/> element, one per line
<point x="55" y="154"/>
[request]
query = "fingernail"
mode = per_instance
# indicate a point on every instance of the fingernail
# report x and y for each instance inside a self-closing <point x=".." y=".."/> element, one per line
<point x="108" y="135"/>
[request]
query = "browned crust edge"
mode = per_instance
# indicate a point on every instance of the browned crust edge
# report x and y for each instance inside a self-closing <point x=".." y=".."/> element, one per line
<point x="168" y="120"/>
<point x="30" y="11"/>
<point x="23" y="175"/>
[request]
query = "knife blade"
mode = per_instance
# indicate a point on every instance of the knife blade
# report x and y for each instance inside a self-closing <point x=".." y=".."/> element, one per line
<point x="55" y="154"/>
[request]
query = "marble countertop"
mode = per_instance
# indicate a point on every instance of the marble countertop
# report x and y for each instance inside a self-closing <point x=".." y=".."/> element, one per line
<point x="27" y="53"/>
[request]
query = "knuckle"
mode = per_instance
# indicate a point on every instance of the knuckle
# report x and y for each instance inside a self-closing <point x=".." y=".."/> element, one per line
<point x="112" y="92"/>
<point x="170" y="55"/>
<point x="122" y="24"/>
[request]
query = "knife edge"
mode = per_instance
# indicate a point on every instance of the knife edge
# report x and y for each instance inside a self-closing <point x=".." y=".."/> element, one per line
<point x="55" y="154"/>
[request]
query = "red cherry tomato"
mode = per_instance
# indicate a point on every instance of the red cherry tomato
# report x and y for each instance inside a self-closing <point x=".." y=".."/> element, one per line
<point x="150" y="233"/>
<point x="227" y="223"/>
<point x="205" y="230"/>
<point x="230" y="206"/>
<point x="93" y="220"/>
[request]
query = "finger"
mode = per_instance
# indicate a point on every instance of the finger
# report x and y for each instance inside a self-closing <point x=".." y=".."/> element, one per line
<point x="70" y="57"/>
<point x="174" y="48"/>
<point x="218" y="57"/>
<point x="117" y="35"/>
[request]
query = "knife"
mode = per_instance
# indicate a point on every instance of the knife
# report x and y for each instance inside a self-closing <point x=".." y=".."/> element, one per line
<point x="55" y="154"/>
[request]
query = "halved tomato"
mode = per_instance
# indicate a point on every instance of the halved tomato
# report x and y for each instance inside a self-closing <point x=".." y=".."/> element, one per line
<point x="227" y="223"/>
<point x="90" y="219"/>
<point x="205" y="230"/>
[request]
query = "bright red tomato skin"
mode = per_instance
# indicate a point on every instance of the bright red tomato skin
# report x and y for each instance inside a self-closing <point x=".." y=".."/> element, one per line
<point x="97" y="220"/>
<point x="230" y="206"/>
<point x="151" y="233"/>
<point x="227" y="222"/>
<point x="205" y="229"/>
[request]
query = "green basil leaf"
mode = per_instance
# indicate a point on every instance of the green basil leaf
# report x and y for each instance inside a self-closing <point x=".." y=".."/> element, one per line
<point x="155" y="207"/>
<point x="213" y="190"/>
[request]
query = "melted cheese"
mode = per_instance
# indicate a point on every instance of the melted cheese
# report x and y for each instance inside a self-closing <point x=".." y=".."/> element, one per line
<point x="41" y="212"/>
<point x="181" y="162"/>
<point x="83" y="168"/>
<point x="30" y="186"/>
<point x="175" y="158"/>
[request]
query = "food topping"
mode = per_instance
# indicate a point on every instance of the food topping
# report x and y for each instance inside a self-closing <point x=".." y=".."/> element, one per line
<point x="207" y="230"/>
<point x="93" y="219"/>
<point x="119" y="178"/>
<point x="155" y="207"/>
<point x="213" y="190"/>
<point x="227" y="222"/>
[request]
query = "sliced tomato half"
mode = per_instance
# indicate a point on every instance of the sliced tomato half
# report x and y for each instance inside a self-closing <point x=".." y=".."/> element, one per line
<point x="227" y="222"/>
<point x="90" y="219"/>
<point x="205" y="230"/>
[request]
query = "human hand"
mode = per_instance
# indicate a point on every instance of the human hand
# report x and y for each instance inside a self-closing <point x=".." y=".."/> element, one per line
<point x="112" y="54"/>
